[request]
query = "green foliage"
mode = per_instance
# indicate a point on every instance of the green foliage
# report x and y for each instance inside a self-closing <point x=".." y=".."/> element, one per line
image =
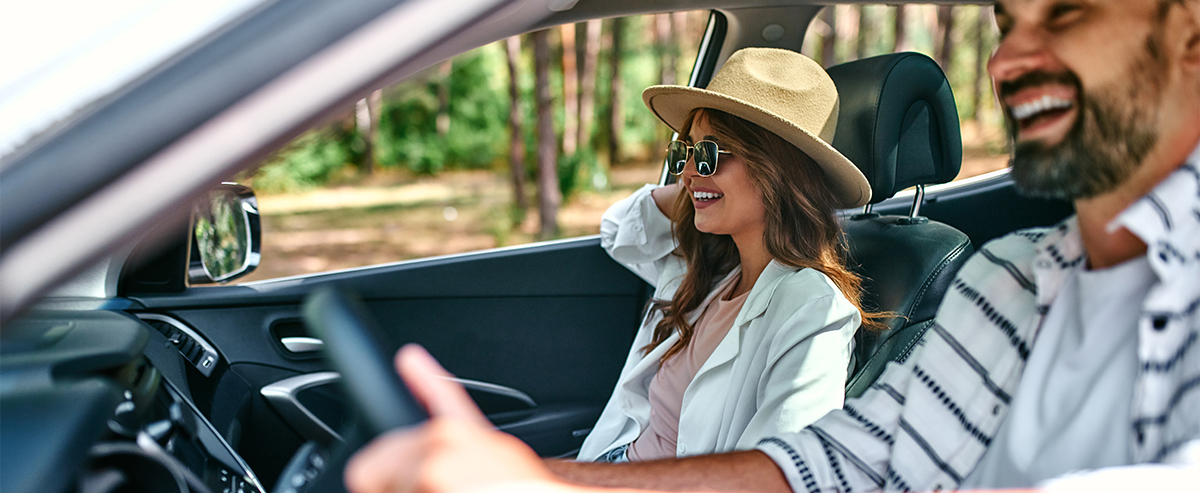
<point x="473" y="98"/>
<point x="309" y="161"/>
<point x="477" y="109"/>
<point x="640" y="68"/>
<point x="568" y="175"/>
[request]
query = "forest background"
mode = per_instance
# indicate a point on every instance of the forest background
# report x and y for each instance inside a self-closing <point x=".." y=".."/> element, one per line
<point x="534" y="136"/>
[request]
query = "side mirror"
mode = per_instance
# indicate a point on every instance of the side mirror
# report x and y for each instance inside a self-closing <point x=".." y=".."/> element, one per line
<point x="226" y="235"/>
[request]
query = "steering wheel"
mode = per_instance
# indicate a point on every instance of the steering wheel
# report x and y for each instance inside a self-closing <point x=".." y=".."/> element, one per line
<point x="354" y="346"/>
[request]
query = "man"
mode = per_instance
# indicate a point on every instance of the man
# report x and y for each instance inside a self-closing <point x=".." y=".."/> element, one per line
<point x="1057" y="350"/>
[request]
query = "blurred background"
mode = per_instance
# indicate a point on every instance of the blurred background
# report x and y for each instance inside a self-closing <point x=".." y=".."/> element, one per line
<point x="533" y="137"/>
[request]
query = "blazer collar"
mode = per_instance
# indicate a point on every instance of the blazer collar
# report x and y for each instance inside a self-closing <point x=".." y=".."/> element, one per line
<point x="761" y="293"/>
<point x="756" y="304"/>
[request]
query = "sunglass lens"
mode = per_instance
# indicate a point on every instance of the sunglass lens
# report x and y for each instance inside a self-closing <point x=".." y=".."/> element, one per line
<point x="706" y="157"/>
<point x="677" y="155"/>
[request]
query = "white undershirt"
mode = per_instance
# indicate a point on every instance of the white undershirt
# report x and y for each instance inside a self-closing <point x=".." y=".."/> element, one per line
<point x="1072" y="409"/>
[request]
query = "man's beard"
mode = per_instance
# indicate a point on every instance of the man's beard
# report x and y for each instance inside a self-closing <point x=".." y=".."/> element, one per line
<point x="1113" y="131"/>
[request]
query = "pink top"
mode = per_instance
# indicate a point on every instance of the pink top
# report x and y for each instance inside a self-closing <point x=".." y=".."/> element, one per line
<point x="672" y="379"/>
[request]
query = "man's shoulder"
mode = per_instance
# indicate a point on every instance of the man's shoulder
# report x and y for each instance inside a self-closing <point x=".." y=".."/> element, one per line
<point x="1019" y="248"/>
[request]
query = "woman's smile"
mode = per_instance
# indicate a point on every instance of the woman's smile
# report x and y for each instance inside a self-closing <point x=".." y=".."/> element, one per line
<point x="705" y="197"/>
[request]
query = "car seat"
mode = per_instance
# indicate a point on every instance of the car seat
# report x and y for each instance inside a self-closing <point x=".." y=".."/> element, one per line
<point x="898" y="123"/>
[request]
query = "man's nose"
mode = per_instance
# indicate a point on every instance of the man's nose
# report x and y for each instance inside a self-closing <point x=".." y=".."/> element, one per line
<point x="1022" y="50"/>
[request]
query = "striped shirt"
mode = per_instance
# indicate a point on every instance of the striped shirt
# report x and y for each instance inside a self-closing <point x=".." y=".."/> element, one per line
<point x="927" y="421"/>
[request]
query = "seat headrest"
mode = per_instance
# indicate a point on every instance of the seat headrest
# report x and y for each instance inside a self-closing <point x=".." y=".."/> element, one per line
<point x="898" y="122"/>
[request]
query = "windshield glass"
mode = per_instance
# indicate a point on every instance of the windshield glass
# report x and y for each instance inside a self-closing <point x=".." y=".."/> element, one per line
<point x="58" y="56"/>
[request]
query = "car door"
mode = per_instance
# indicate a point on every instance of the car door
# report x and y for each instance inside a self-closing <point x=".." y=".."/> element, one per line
<point x="538" y="333"/>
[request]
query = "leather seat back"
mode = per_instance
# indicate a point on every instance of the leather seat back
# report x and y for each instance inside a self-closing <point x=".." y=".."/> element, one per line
<point x="898" y="123"/>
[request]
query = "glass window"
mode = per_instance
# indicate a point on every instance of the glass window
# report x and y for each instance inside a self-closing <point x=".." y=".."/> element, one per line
<point x="424" y="168"/>
<point x="959" y="37"/>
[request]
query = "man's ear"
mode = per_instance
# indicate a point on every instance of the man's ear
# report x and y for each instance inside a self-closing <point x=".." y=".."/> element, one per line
<point x="1191" y="36"/>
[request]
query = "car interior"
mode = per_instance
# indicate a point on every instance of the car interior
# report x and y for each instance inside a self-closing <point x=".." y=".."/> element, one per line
<point x="130" y="378"/>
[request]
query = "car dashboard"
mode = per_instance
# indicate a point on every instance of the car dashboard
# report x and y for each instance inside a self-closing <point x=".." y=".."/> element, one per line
<point x="97" y="401"/>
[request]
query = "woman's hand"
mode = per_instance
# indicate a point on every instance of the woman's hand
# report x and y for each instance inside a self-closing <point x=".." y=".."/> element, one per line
<point x="456" y="451"/>
<point x="665" y="197"/>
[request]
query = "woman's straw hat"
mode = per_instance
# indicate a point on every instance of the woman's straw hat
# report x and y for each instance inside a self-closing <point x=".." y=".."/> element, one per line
<point x="781" y="91"/>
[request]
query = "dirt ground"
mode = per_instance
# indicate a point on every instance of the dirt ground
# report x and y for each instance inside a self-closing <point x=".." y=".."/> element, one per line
<point x="393" y="217"/>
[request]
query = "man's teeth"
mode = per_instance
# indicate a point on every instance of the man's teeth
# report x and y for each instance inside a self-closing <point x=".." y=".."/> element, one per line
<point x="706" y="195"/>
<point x="1046" y="103"/>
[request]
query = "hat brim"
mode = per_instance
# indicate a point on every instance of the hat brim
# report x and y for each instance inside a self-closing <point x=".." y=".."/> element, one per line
<point x="672" y="104"/>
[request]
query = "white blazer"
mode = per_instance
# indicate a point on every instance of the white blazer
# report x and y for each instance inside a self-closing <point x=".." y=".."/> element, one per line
<point x="781" y="366"/>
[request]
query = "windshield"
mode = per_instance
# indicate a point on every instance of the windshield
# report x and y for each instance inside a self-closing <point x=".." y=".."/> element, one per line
<point x="58" y="56"/>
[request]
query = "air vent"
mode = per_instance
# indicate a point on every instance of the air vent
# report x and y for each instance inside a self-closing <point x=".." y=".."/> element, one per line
<point x="191" y="346"/>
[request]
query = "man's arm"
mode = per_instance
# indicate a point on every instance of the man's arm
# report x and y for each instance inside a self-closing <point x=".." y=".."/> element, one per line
<point x="459" y="451"/>
<point x="736" y="471"/>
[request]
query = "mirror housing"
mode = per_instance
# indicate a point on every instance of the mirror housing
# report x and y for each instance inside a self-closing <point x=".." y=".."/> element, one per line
<point x="226" y="235"/>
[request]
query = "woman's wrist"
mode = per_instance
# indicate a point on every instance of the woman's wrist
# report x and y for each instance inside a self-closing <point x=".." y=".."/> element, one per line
<point x="665" y="197"/>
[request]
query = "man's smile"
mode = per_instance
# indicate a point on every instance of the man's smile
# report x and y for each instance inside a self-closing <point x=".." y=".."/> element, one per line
<point x="1043" y="113"/>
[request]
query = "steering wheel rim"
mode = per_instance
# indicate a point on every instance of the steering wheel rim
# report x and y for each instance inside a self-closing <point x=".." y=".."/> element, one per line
<point x="354" y="346"/>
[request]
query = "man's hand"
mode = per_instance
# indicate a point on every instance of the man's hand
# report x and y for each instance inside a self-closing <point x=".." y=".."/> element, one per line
<point x="456" y="451"/>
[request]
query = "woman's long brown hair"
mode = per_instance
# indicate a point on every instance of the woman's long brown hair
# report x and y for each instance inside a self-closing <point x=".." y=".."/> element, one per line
<point x="802" y="229"/>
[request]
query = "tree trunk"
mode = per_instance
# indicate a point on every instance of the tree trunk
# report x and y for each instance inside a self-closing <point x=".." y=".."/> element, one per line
<point x="616" y="120"/>
<point x="945" y="29"/>
<point x="829" y="41"/>
<point x="587" y="83"/>
<point x="516" y="152"/>
<point x="549" y="196"/>
<point x="443" y="115"/>
<point x="977" y="88"/>
<point x="900" y="28"/>
<point x="665" y="43"/>
<point x="570" y="76"/>
<point x="860" y="31"/>
<point x="366" y="117"/>
<point x="679" y="28"/>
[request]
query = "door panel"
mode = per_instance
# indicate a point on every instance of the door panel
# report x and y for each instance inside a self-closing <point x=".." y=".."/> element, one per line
<point x="552" y="321"/>
<point x="984" y="210"/>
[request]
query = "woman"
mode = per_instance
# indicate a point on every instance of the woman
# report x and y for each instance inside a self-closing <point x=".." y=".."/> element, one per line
<point x="751" y="325"/>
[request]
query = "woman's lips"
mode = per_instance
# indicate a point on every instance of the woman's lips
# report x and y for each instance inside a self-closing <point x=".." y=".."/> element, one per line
<point x="704" y="197"/>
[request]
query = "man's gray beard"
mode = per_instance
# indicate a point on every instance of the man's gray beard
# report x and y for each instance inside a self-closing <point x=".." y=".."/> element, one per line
<point x="1099" y="153"/>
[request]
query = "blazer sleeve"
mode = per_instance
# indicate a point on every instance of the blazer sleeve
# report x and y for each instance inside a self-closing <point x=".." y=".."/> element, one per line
<point x="805" y="374"/>
<point x="638" y="235"/>
<point x="848" y="449"/>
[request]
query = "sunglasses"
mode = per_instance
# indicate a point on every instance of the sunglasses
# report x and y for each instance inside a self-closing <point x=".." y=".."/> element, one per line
<point x="678" y="153"/>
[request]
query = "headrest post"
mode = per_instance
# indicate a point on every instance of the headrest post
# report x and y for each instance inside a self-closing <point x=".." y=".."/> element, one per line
<point x="918" y="199"/>
<point x="868" y="208"/>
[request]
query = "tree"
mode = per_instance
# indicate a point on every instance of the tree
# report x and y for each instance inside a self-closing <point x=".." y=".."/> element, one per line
<point x="900" y="29"/>
<point x="828" y="42"/>
<point x="548" y="195"/>
<point x="945" y="31"/>
<point x="366" y="118"/>
<point x="587" y="82"/>
<point x="860" y="31"/>
<point x="982" y="25"/>
<point x="443" y="93"/>
<point x="665" y="44"/>
<point x="516" y="153"/>
<point x="616" y="117"/>
<point x="570" y="77"/>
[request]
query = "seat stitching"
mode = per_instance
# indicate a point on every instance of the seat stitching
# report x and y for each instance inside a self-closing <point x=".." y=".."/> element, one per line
<point x="957" y="252"/>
